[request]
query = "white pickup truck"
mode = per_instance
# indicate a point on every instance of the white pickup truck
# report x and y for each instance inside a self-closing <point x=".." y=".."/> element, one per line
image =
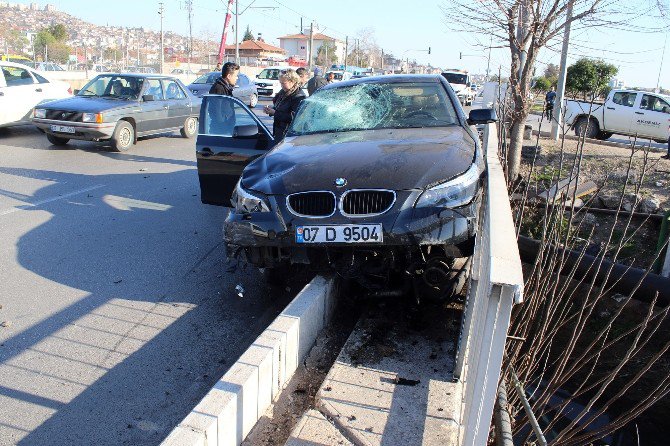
<point x="625" y="112"/>
<point x="460" y="82"/>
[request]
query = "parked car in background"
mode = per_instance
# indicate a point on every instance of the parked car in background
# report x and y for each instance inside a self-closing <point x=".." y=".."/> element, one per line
<point x="145" y="70"/>
<point x="377" y="179"/>
<point x="46" y="66"/>
<point x="120" y="108"/>
<point x="267" y="81"/>
<point x="625" y="112"/>
<point x="184" y="71"/>
<point x="245" y="90"/>
<point x="21" y="89"/>
<point x="340" y="75"/>
<point x="16" y="58"/>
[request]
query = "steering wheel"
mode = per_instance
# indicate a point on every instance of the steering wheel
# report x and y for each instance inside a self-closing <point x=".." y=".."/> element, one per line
<point x="420" y="113"/>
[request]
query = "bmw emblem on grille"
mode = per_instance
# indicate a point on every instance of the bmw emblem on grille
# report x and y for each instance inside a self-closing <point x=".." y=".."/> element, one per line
<point x="62" y="115"/>
<point x="341" y="182"/>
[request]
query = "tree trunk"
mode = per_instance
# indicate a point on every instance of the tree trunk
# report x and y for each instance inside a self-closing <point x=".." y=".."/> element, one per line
<point x="515" y="144"/>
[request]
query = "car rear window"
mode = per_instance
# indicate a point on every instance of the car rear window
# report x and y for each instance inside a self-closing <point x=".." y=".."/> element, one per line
<point x="369" y="106"/>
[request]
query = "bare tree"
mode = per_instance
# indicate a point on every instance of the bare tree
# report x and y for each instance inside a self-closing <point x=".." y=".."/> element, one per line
<point x="527" y="26"/>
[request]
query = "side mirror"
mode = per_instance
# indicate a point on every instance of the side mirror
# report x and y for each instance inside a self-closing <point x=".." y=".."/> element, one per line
<point x="76" y="91"/>
<point x="258" y="76"/>
<point x="482" y="116"/>
<point x="245" y="131"/>
<point x="148" y="98"/>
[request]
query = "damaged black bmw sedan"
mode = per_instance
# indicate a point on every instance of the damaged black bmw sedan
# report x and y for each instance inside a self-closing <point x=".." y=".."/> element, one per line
<point x="378" y="179"/>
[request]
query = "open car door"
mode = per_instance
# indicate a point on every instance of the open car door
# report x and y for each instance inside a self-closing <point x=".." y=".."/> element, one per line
<point x="230" y="137"/>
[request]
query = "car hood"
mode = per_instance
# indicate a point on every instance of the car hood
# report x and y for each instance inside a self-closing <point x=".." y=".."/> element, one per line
<point x="398" y="159"/>
<point x="89" y="105"/>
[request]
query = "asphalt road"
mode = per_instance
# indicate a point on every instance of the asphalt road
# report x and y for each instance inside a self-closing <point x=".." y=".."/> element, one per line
<point x="118" y="307"/>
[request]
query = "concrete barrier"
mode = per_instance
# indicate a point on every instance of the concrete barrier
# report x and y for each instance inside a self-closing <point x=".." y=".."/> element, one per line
<point x="229" y="411"/>
<point x="496" y="285"/>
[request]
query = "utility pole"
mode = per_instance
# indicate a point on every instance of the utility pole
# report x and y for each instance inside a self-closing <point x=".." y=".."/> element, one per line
<point x="488" y="63"/>
<point x="346" y="51"/>
<point x="237" y="40"/>
<point x="557" y="118"/>
<point x="311" y="44"/>
<point x="658" y="81"/>
<point x="161" y="11"/>
<point x="382" y="62"/>
<point x="189" y="10"/>
<point x="137" y="37"/>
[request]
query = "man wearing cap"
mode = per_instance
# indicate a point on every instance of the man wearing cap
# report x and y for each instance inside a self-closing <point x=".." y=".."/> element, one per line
<point x="316" y="82"/>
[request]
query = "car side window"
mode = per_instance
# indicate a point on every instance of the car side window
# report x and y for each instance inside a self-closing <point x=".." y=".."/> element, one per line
<point x="40" y="79"/>
<point x="626" y="99"/>
<point x="172" y="90"/>
<point x="222" y="116"/>
<point x="654" y="103"/>
<point x="15" y="76"/>
<point x="155" y="88"/>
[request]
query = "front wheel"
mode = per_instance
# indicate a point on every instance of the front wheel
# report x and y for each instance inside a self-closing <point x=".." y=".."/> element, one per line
<point x="253" y="100"/>
<point x="190" y="128"/>
<point x="57" y="141"/>
<point x="124" y="136"/>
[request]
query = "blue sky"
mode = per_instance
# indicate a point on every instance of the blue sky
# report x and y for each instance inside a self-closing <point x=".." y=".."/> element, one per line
<point x="400" y="28"/>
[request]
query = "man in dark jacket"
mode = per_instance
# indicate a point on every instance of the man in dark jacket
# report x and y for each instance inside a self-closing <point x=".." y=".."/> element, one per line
<point x="225" y="84"/>
<point x="316" y="82"/>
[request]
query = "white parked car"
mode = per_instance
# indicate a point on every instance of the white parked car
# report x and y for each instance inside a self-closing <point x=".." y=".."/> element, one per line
<point x="267" y="81"/>
<point x="21" y="89"/>
<point x="625" y="112"/>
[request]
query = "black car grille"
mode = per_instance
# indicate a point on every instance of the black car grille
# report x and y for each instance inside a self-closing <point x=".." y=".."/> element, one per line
<point x="312" y="204"/>
<point x="62" y="115"/>
<point x="367" y="202"/>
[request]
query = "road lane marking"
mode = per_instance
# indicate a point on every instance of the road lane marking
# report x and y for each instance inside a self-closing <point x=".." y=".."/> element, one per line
<point x="49" y="200"/>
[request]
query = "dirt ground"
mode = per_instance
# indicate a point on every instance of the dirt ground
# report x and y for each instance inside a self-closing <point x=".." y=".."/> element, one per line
<point x="608" y="167"/>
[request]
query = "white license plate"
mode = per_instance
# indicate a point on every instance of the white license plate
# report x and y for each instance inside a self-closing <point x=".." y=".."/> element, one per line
<point x="62" y="129"/>
<point x="264" y="91"/>
<point x="339" y="234"/>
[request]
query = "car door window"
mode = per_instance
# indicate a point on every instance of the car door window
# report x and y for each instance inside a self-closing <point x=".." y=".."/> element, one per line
<point x="41" y="79"/>
<point x="654" y="103"/>
<point x="173" y="90"/>
<point x="626" y="99"/>
<point x="222" y="116"/>
<point x="155" y="88"/>
<point x="15" y="76"/>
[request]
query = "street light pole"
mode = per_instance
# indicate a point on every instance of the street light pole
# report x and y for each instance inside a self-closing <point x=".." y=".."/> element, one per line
<point x="161" y="10"/>
<point x="237" y="41"/>
<point x="557" y="118"/>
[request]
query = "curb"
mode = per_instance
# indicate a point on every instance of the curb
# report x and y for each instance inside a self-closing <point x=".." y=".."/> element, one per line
<point x="229" y="411"/>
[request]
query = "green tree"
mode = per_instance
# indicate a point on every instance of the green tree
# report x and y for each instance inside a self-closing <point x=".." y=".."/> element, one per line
<point x="59" y="32"/>
<point x="327" y="54"/>
<point x="14" y="41"/>
<point x="48" y="47"/>
<point x="590" y="77"/>
<point x="551" y="71"/>
<point x="542" y="84"/>
<point x="248" y="35"/>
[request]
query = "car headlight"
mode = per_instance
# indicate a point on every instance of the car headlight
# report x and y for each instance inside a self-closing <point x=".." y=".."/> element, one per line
<point x="91" y="117"/>
<point x="454" y="193"/>
<point x="40" y="113"/>
<point x="245" y="202"/>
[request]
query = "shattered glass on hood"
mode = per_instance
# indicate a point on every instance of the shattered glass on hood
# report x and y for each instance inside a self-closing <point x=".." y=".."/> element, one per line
<point x="368" y="106"/>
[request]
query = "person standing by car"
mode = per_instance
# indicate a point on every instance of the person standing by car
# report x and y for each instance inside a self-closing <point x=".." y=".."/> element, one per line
<point x="218" y="67"/>
<point x="286" y="103"/>
<point x="330" y="78"/>
<point x="303" y="75"/>
<point x="225" y="84"/>
<point x="549" y="100"/>
<point x="316" y="82"/>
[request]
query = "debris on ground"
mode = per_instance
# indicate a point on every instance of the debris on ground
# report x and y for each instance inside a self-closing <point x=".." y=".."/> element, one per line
<point x="239" y="289"/>
<point x="406" y="382"/>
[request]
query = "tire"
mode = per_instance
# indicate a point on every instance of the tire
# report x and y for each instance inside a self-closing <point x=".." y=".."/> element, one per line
<point x="124" y="137"/>
<point x="56" y="140"/>
<point x="190" y="128"/>
<point x="604" y="135"/>
<point x="253" y="100"/>
<point x="587" y="127"/>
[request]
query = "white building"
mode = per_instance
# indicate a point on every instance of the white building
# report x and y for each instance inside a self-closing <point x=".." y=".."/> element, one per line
<point x="50" y="8"/>
<point x="297" y="45"/>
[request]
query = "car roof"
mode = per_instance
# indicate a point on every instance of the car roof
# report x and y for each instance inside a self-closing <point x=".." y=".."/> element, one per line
<point x="14" y="64"/>
<point x="387" y="79"/>
<point x="142" y="75"/>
